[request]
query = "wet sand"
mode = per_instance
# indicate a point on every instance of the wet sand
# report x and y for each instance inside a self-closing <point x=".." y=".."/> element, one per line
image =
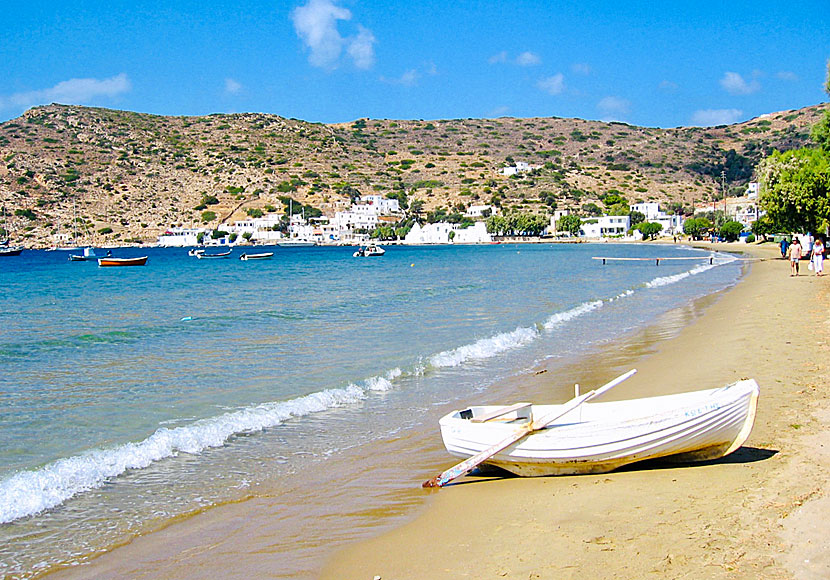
<point x="762" y="512"/>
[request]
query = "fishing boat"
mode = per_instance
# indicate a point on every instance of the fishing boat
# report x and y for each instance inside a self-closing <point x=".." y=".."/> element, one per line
<point x="296" y="243"/>
<point x="195" y="252"/>
<point x="9" y="250"/>
<point x="601" y="437"/>
<point x="369" y="251"/>
<point x="122" y="261"/>
<point x="88" y="255"/>
<point x="205" y="256"/>
<point x="262" y="256"/>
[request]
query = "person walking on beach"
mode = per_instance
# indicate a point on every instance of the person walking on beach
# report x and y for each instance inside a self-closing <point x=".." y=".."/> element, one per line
<point x="795" y="256"/>
<point x="784" y="244"/>
<point x="818" y="257"/>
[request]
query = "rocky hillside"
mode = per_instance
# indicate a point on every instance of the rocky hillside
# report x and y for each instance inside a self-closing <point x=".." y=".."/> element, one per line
<point x="121" y="177"/>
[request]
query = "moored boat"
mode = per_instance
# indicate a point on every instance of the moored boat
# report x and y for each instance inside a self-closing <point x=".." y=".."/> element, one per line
<point x="122" y="261"/>
<point x="260" y="256"/>
<point x="205" y="256"/>
<point x="601" y="437"/>
<point x="10" y="251"/>
<point x="372" y="250"/>
<point x="88" y="255"/>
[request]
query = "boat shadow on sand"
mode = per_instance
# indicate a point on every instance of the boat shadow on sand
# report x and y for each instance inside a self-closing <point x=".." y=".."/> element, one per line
<point x="742" y="455"/>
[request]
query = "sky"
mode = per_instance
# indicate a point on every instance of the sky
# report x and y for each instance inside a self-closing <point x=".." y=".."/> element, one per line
<point x="656" y="64"/>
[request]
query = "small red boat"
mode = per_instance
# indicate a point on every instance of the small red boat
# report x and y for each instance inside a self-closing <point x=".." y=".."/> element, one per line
<point x="122" y="261"/>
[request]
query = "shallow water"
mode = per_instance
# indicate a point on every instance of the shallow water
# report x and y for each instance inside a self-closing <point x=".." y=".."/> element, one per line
<point x="130" y="397"/>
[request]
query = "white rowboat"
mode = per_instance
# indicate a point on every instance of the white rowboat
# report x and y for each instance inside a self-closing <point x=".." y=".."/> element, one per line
<point x="600" y="437"/>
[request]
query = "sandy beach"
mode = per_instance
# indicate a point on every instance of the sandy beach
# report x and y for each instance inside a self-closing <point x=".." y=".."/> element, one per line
<point x="762" y="512"/>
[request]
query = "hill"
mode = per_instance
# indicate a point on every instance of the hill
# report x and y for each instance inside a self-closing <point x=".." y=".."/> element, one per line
<point x="122" y="177"/>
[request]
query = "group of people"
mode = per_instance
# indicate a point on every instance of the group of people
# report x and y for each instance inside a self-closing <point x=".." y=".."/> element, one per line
<point x="795" y="252"/>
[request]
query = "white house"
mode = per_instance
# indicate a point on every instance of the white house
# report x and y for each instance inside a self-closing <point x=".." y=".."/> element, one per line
<point x="439" y="233"/>
<point x="181" y="237"/>
<point x="672" y="224"/>
<point x="607" y="225"/>
<point x="478" y="211"/>
<point x="379" y="204"/>
<point x="752" y="190"/>
<point x="519" y="167"/>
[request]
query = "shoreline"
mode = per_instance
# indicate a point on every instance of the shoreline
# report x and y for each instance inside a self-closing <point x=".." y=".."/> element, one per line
<point x="758" y="513"/>
<point x="238" y="540"/>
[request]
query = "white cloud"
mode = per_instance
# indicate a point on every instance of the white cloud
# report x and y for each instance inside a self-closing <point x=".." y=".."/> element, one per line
<point x="553" y="85"/>
<point x="581" y="68"/>
<point x="232" y="87"/>
<point x="71" y="92"/>
<point x="497" y="58"/>
<point x="407" y="79"/>
<point x="528" y="59"/>
<point x="612" y="108"/>
<point x="735" y="84"/>
<point x="709" y="117"/>
<point x="786" y="75"/>
<point x="362" y="49"/>
<point x="668" y="86"/>
<point x="316" y="24"/>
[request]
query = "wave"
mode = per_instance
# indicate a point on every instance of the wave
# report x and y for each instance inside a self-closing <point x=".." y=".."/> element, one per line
<point x="28" y="493"/>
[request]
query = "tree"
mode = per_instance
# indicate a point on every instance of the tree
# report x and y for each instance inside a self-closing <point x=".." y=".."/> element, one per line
<point x="696" y="227"/>
<point x="636" y="217"/>
<point x="731" y="230"/>
<point x="796" y="189"/>
<point x="649" y="229"/>
<point x="592" y="209"/>
<point x="569" y="223"/>
<point x="763" y="227"/>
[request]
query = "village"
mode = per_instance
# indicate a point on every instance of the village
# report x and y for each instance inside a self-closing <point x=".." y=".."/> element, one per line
<point x="357" y="224"/>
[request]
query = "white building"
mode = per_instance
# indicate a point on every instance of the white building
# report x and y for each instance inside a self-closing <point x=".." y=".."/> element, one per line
<point x="520" y="167"/>
<point x="478" y="211"/>
<point x="607" y="225"/>
<point x="672" y="224"/>
<point x="752" y="190"/>
<point x="439" y="233"/>
<point x="181" y="237"/>
<point x="379" y="204"/>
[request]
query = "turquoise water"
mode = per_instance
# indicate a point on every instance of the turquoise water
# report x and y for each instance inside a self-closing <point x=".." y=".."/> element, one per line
<point x="131" y="396"/>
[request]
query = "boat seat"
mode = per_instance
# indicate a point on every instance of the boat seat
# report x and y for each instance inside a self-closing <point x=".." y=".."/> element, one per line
<point x="518" y="407"/>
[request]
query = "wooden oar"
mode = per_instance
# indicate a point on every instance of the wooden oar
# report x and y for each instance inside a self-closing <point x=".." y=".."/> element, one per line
<point x="482" y="456"/>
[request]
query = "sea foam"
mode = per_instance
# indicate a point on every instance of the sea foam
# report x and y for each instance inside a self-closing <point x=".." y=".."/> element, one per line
<point x="26" y="493"/>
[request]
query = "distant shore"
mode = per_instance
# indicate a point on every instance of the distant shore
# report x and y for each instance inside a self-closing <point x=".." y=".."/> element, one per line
<point x="759" y="513"/>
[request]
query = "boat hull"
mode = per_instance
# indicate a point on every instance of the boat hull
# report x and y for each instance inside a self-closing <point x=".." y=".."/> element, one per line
<point x="601" y="437"/>
<point x="263" y="256"/>
<point x="107" y="262"/>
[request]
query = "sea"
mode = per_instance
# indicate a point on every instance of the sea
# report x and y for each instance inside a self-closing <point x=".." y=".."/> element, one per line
<point x="136" y="398"/>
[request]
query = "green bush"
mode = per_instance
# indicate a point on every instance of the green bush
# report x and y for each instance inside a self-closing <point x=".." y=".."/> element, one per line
<point x="105" y="231"/>
<point x="208" y="216"/>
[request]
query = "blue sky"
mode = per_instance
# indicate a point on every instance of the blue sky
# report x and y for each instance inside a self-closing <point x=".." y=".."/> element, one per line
<point x="661" y="64"/>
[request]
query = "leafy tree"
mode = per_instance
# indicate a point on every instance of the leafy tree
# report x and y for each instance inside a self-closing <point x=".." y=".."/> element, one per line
<point x="696" y="227"/>
<point x="26" y="213"/>
<point x="618" y="209"/>
<point x="254" y="212"/>
<point x="796" y="189"/>
<point x="592" y="209"/>
<point x="763" y="227"/>
<point x="636" y="217"/>
<point x="731" y="230"/>
<point x="200" y="237"/>
<point x="208" y="216"/>
<point x="569" y="223"/>
<point x="612" y="199"/>
<point x="796" y="185"/>
<point x="649" y="229"/>
<point x="247" y="236"/>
